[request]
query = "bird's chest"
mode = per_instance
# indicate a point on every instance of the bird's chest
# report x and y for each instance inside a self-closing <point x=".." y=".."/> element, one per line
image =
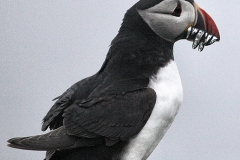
<point x="167" y="85"/>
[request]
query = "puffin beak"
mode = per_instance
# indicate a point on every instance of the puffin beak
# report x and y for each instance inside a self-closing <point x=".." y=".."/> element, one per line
<point x="204" y="31"/>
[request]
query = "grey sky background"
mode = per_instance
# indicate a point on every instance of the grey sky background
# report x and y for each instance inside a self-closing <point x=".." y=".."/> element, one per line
<point x="46" y="46"/>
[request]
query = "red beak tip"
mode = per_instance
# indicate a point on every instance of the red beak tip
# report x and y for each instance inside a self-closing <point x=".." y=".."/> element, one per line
<point x="210" y="25"/>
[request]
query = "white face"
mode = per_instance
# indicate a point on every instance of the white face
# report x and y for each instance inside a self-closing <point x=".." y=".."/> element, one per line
<point x="164" y="23"/>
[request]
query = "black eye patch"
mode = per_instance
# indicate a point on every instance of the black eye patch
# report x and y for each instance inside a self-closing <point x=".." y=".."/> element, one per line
<point x="178" y="10"/>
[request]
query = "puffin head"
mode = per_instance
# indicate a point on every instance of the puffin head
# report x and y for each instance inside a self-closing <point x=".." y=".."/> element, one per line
<point x="173" y="20"/>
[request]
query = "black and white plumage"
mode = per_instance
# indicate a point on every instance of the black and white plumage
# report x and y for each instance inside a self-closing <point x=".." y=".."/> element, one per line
<point x="124" y="110"/>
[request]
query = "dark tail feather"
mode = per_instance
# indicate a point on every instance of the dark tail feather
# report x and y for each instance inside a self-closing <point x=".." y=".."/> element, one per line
<point x="55" y="140"/>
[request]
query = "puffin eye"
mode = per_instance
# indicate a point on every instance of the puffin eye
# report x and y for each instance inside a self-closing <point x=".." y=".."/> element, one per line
<point x="178" y="10"/>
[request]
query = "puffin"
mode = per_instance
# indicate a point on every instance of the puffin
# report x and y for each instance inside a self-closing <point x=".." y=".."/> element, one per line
<point x="123" y="111"/>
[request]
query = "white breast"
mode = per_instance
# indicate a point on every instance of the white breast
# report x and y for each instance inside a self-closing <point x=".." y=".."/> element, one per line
<point x="167" y="85"/>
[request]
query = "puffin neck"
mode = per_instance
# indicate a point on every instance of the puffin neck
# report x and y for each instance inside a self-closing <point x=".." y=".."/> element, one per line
<point x="136" y="51"/>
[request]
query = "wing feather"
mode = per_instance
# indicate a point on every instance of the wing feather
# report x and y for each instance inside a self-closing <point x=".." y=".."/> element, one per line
<point x="117" y="116"/>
